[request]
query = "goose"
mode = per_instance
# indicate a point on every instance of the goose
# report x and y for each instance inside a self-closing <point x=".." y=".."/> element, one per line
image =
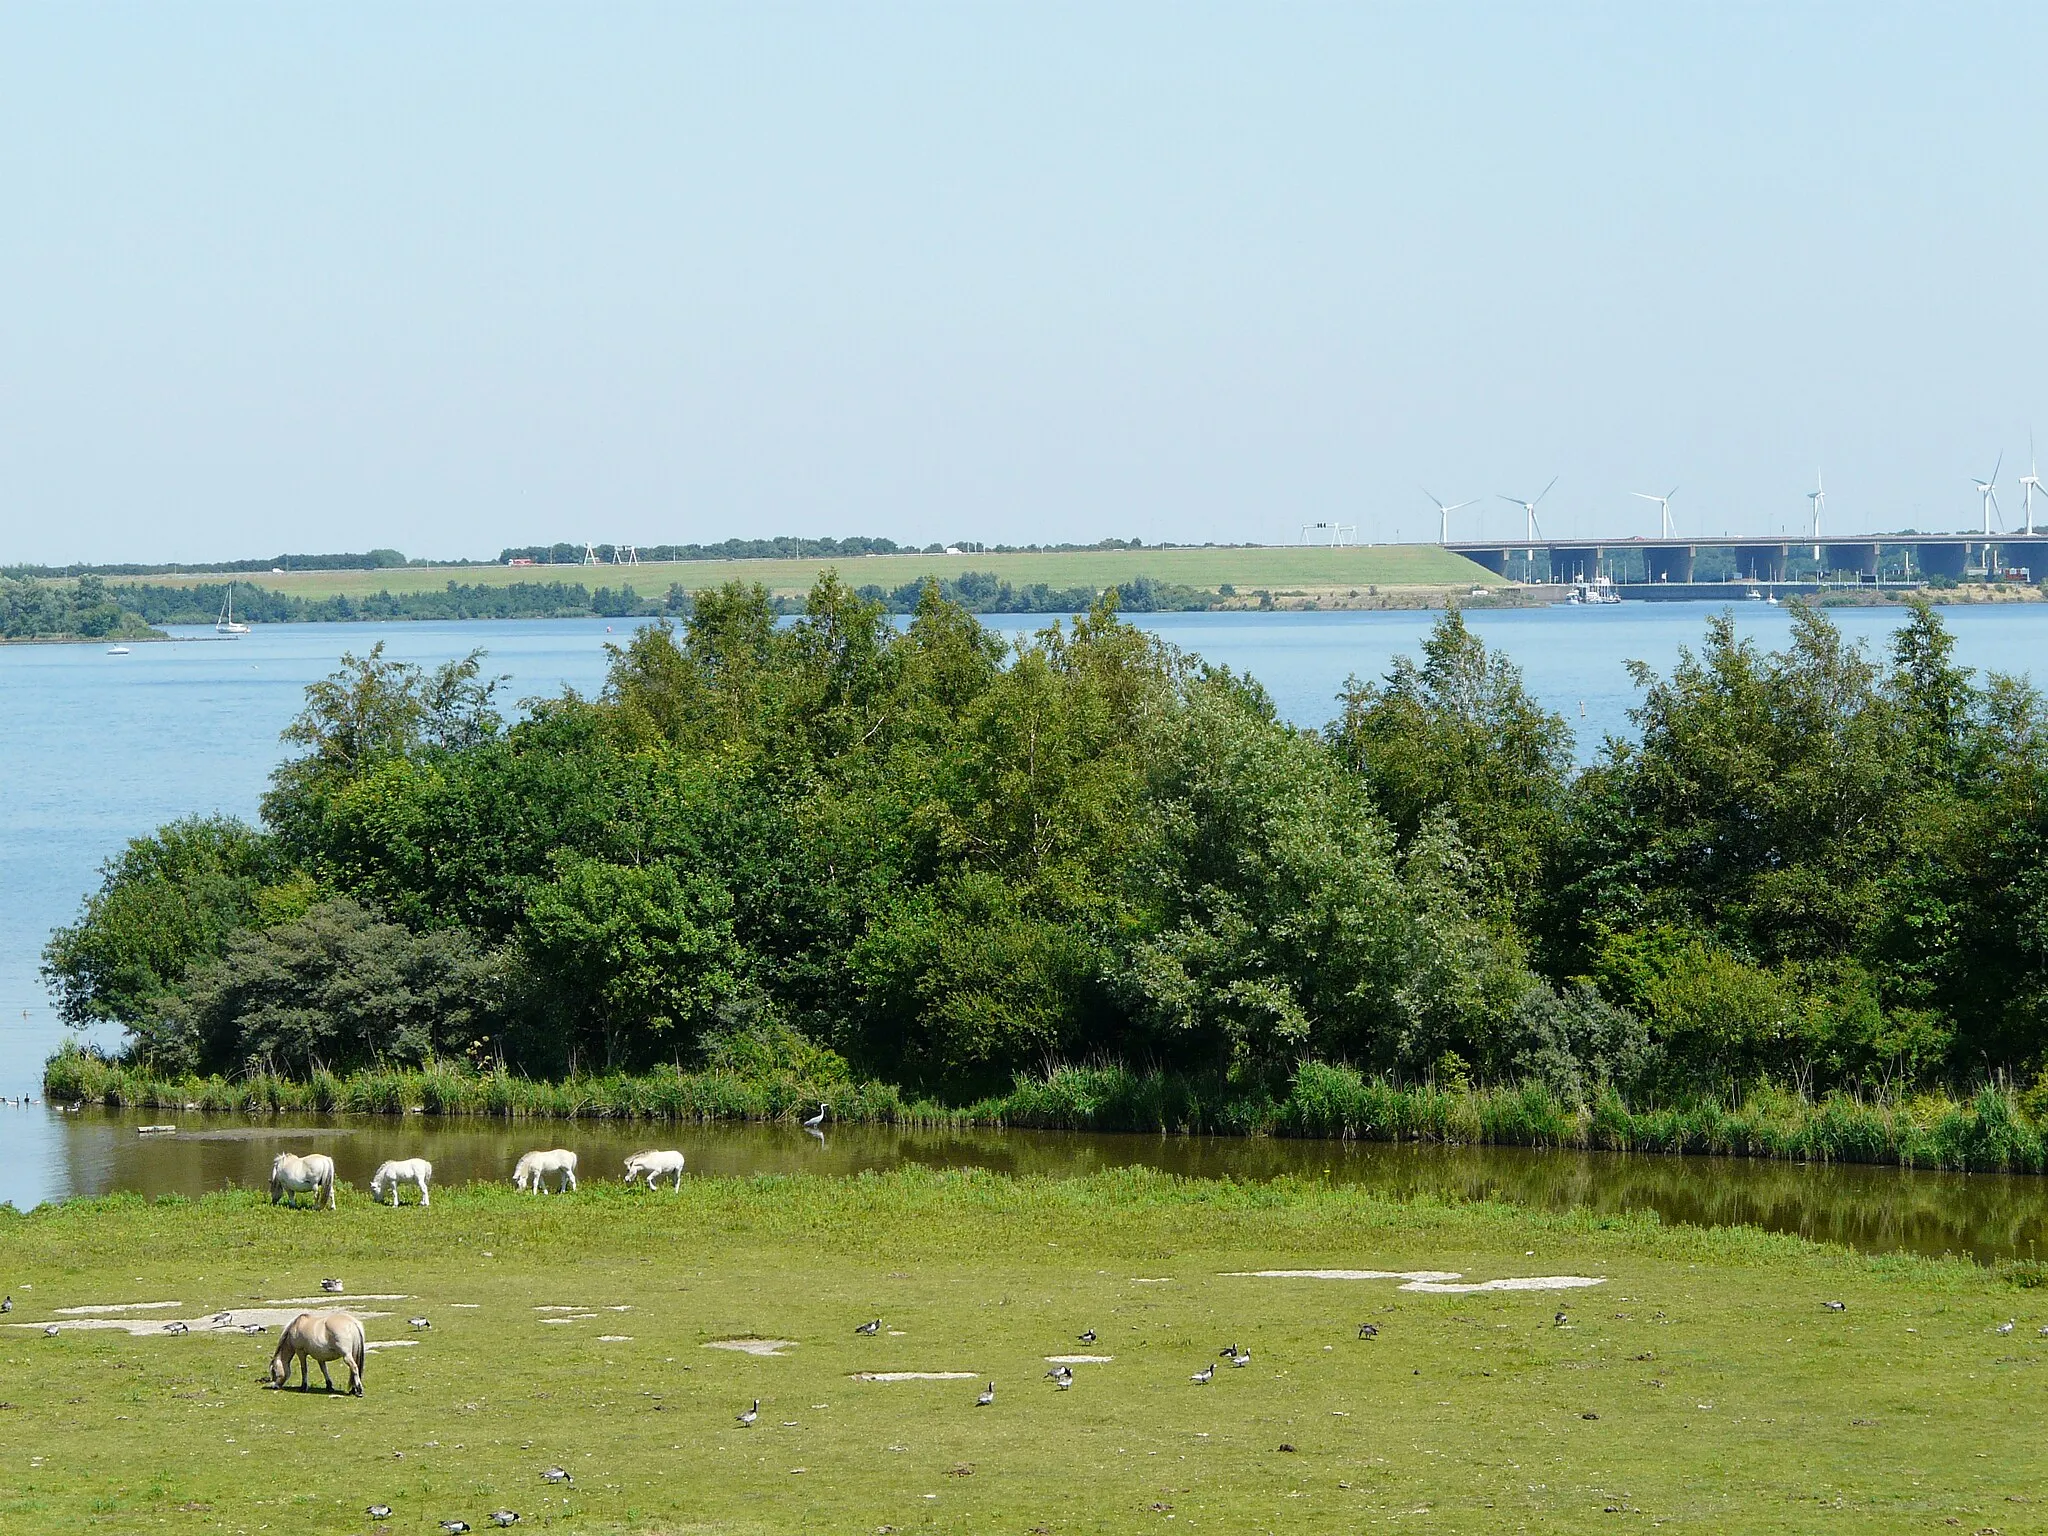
<point x="1368" y="1331"/>
<point x="1065" y="1383"/>
<point x="1088" y="1337"/>
<point x="1836" y="1306"/>
<point x="987" y="1397"/>
<point x="505" y="1517"/>
<point x="379" y="1511"/>
<point x="419" y="1322"/>
<point x="7" y="1304"/>
<point x="1241" y="1359"/>
<point x="1060" y="1373"/>
<point x="753" y="1413"/>
<point x="559" y="1475"/>
<point x="330" y="1285"/>
<point x="177" y="1327"/>
<point x="52" y="1331"/>
<point x="1226" y="1352"/>
<point x="2005" y="1327"/>
<point x="816" y="1120"/>
<point x="870" y="1329"/>
<point x="255" y="1328"/>
<point x="1563" y="1321"/>
<point x="1203" y="1377"/>
<point x="454" y="1527"/>
<point x="222" y="1319"/>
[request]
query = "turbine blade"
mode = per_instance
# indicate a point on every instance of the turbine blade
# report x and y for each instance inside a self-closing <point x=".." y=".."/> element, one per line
<point x="1671" y="493"/>
<point x="1516" y="500"/>
<point x="1546" y="491"/>
<point x="1646" y="496"/>
<point x="1432" y="496"/>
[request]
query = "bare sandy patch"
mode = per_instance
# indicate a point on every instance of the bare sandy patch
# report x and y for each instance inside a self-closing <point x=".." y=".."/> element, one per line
<point x="1151" y="1279"/>
<point x="389" y="1343"/>
<point x="329" y="1298"/>
<point x="1517" y="1283"/>
<point x="753" y="1346"/>
<point x="550" y="1322"/>
<point x="99" y="1308"/>
<point x="1079" y="1359"/>
<point x="615" y="1338"/>
<point x="916" y="1376"/>
<point x="1424" y="1275"/>
<point x="233" y="1320"/>
<point x="584" y="1310"/>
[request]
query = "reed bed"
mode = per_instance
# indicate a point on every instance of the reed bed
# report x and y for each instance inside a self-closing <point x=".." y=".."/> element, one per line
<point x="1988" y="1132"/>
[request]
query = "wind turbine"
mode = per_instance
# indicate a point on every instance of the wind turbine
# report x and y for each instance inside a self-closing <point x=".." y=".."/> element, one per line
<point x="1529" y="507"/>
<point x="1446" y="513"/>
<point x="1663" y="505"/>
<point x="2030" y="482"/>
<point x="1819" y="497"/>
<point x="1988" y="489"/>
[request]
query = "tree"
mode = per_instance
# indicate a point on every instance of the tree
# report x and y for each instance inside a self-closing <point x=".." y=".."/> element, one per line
<point x="168" y="900"/>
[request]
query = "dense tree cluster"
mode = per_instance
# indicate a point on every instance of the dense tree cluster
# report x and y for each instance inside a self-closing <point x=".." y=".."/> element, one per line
<point x="949" y="859"/>
<point x="38" y="610"/>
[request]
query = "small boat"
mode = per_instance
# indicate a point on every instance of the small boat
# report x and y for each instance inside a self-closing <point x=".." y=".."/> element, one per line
<point x="156" y="1130"/>
<point x="225" y="624"/>
<point x="118" y="650"/>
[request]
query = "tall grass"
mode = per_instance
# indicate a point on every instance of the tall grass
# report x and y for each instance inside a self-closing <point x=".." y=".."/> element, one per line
<point x="1988" y="1133"/>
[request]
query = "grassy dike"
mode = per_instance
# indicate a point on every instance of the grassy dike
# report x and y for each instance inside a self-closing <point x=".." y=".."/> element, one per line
<point x="1703" y="1385"/>
<point x="1988" y="1133"/>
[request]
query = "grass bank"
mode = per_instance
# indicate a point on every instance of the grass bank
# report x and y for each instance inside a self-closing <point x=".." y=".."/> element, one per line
<point x="1247" y="567"/>
<point x="1702" y="1382"/>
<point x="1990" y="1132"/>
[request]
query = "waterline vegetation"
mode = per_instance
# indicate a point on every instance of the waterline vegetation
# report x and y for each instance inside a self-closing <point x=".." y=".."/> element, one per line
<point x="1989" y="1133"/>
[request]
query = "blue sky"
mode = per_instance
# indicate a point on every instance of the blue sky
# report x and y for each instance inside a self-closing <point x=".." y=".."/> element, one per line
<point x="455" y="277"/>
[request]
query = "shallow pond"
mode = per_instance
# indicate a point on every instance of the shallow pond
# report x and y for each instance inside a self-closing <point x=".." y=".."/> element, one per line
<point x="48" y="1155"/>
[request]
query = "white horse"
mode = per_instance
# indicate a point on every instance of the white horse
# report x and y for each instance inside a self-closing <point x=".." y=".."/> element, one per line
<point x="534" y="1168"/>
<point x="411" y="1170"/>
<point x="292" y="1174"/>
<point x="320" y="1337"/>
<point x="655" y="1165"/>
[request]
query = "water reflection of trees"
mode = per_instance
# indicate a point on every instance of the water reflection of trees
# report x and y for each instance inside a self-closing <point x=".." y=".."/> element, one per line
<point x="1863" y="1206"/>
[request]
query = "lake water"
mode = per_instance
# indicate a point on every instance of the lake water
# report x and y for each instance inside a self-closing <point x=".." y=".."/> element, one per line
<point x="95" y="749"/>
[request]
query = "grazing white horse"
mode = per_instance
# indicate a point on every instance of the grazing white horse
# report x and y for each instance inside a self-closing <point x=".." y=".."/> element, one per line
<point x="410" y="1170"/>
<point x="292" y="1174"/>
<point x="320" y="1337"/>
<point x="534" y="1168"/>
<point x="655" y="1165"/>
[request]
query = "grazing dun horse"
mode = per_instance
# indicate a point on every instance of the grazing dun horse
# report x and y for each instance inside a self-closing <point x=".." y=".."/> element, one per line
<point x="320" y="1337"/>
<point x="533" y="1170"/>
<point x="410" y="1170"/>
<point x="655" y="1165"/>
<point x="291" y="1174"/>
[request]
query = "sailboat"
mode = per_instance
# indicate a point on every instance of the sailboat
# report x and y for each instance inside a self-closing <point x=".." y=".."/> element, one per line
<point x="225" y="624"/>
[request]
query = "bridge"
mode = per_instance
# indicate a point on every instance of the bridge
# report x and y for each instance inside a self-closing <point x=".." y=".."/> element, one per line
<point x="1873" y="558"/>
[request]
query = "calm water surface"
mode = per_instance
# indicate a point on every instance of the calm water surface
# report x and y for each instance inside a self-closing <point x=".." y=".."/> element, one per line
<point x="95" y="749"/>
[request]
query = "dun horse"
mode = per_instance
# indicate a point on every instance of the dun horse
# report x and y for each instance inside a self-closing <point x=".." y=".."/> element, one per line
<point x="320" y="1337"/>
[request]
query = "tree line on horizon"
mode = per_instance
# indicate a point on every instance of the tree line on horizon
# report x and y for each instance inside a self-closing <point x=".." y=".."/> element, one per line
<point x="949" y="858"/>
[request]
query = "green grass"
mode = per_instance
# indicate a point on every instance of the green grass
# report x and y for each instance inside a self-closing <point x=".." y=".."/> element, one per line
<point x="1990" y="1132"/>
<point x="1703" y="1385"/>
<point x="1281" y="567"/>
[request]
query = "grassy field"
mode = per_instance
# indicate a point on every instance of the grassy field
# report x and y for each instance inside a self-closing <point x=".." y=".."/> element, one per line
<point x="1276" y="568"/>
<point x="1703" y="1385"/>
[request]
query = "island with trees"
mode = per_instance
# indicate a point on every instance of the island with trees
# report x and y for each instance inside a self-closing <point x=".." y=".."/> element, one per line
<point x="1091" y="880"/>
